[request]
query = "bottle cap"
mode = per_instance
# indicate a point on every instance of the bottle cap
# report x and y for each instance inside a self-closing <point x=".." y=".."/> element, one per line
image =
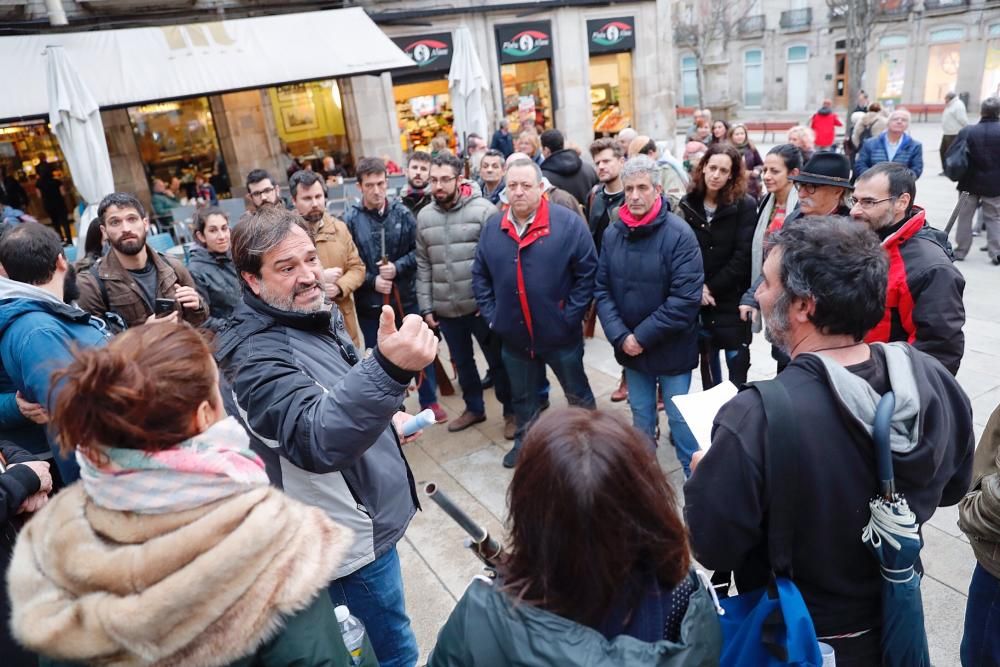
<point x="342" y="613"/>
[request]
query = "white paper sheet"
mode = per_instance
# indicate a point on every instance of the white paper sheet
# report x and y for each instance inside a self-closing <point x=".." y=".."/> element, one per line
<point x="699" y="410"/>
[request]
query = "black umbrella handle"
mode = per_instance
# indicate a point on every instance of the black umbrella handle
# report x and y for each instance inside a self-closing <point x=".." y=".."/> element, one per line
<point x="881" y="432"/>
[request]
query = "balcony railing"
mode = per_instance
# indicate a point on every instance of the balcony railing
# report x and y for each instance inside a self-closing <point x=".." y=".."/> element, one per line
<point x="894" y="8"/>
<point x="796" y="19"/>
<point x="944" y="5"/>
<point x="752" y="26"/>
<point x="685" y="35"/>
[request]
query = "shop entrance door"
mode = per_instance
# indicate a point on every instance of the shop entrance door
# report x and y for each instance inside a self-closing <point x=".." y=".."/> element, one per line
<point x="611" y="92"/>
<point x="797" y="77"/>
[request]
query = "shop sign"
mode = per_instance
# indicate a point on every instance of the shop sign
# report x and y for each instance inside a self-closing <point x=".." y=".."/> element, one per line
<point x="432" y="53"/>
<point x="525" y="41"/>
<point x="606" y="35"/>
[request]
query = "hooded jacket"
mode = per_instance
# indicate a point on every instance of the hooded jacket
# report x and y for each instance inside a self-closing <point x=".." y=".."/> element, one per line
<point x="400" y="228"/>
<point x="923" y="301"/>
<point x="241" y="581"/>
<point x="979" y="511"/>
<point x="839" y="578"/>
<point x="446" y="249"/>
<point x="567" y="171"/>
<point x="488" y="628"/>
<point x="910" y="154"/>
<point x="37" y="332"/>
<point x="649" y="283"/>
<point x="321" y="420"/>
<point x="215" y="277"/>
<point x="825" y="123"/>
<point x="534" y="290"/>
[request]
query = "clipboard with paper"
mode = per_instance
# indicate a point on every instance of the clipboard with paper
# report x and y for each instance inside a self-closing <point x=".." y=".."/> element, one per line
<point x="699" y="410"/>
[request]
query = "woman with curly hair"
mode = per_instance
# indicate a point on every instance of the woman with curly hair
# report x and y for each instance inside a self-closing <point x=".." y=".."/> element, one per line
<point x="723" y="218"/>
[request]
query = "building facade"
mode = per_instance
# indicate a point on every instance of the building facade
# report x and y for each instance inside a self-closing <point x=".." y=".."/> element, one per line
<point x="790" y="56"/>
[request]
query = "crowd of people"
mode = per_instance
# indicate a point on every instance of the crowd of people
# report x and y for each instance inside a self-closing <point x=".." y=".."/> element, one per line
<point x="220" y="499"/>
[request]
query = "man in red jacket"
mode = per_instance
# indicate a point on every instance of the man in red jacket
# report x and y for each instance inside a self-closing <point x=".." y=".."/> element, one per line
<point x="923" y="303"/>
<point x="824" y="123"/>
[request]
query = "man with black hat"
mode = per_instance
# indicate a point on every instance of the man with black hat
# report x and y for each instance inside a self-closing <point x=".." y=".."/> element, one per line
<point x="823" y="186"/>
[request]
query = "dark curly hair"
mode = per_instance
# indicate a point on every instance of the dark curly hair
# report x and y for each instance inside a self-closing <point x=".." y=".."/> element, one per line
<point x="735" y="188"/>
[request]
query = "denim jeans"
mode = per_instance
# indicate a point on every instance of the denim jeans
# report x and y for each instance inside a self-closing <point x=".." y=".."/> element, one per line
<point x="981" y="641"/>
<point x="458" y="333"/>
<point x="427" y="388"/>
<point x="642" y="400"/>
<point x="374" y="594"/>
<point x="527" y="376"/>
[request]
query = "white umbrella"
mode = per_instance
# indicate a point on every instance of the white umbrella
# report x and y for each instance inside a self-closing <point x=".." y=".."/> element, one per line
<point x="76" y="122"/>
<point x="468" y="88"/>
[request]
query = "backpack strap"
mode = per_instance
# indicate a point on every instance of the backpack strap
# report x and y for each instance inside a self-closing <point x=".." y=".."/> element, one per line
<point x="112" y="318"/>
<point x="780" y="472"/>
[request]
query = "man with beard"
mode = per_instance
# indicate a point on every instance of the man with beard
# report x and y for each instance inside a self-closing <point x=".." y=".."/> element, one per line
<point x="416" y="194"/>
<point x="924" y="304"/>
<point x="385" y="233"/>
<point x="608" y="195"/>
<point x="323" y="419"/>
<point x="447" y="235"/>
<point x="127" y="282"/>
<point x="343" y="270"/>
<point x="262" y="190"/>
<point x="824" y="288"/>
<point x="38" y="329"/>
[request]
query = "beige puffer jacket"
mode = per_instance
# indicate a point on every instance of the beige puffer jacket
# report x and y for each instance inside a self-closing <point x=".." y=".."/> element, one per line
<point x="446" y="249"/>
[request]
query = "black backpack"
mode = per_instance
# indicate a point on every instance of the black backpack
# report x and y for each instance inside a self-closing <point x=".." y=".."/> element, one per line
<point x="956" y="160"/>
<point x="866" y="134"/>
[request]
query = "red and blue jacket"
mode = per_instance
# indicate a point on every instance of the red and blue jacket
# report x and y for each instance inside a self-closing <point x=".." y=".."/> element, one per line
<point x="534" y="290"/>
<point x="923" y="301"/>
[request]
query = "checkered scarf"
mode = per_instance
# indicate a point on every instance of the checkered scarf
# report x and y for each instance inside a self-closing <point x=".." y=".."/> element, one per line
<point x="212" y="465"/>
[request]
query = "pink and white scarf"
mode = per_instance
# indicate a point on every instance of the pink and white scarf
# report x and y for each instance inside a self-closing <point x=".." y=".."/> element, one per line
<point x="212" y="465"/>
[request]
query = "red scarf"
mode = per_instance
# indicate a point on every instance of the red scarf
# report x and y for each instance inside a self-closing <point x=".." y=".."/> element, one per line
<point x="631" y="221"/>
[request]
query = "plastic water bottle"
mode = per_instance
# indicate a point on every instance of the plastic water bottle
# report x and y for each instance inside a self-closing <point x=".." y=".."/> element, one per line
<point x="353" y="631"/>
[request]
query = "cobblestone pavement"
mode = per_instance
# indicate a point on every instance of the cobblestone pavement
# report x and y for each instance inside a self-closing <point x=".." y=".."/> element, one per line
<point x="467" y="466"/>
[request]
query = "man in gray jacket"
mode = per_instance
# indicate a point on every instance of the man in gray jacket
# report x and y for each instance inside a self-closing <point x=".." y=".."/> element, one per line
<point x="323" y="420"/>
<point x="447" y="236"/>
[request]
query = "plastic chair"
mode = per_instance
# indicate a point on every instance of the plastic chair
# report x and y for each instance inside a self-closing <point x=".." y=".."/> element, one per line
<point x="161" y="242"/>
<point x="70" y="253"/>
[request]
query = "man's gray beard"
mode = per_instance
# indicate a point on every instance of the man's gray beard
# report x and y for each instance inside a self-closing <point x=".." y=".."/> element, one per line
<point x="778" y="323"/>
<point x="287" y="303"/>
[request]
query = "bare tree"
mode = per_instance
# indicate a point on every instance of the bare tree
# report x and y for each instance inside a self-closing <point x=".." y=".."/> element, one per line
<point x="707" y="26"/>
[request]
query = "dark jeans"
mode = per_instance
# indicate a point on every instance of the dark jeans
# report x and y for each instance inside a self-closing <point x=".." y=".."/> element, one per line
<point x="427" y="386"/>
<point x="981" y="641"/>
<point x="526" y="376"/>
<point x="458" y="333"/>
<point x="374" y="594"/>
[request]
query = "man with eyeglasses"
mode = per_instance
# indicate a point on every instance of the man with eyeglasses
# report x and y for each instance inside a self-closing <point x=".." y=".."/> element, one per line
<point x="924" y="301"/>
<point x="823" y="186"/>
<point x="262" y="190"/>
<point x="385" y="232"/>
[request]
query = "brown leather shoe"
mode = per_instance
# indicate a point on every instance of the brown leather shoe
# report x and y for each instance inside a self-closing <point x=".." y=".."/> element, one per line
<point x="509" y="427"/>
<point x="621" y="393"/>
<point x="465" y="420"/>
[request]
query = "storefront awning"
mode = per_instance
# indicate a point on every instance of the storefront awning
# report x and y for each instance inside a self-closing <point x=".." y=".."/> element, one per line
<point x="124" y="67"/>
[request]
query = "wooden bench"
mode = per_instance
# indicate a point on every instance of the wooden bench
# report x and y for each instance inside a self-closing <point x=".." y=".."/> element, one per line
<point x="684" y="111"/>
<point x="770" y="127"/>
<point x="921" y="111"/>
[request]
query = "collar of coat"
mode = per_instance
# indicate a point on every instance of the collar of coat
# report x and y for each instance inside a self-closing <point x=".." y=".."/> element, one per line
<point x="539" y="226"/>
<point x="908" y="229"/>
<point x="205" y="586"/>
<point x="110" y="268"/>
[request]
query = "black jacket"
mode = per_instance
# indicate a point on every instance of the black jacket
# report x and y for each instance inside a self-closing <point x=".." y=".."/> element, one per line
<point x="726" y="244"/>
<point x="726" y="498"/>
<point x="400" y="248"/>
<point x="216" y="280"/>
<point x="649" y="282"/>
<point x="601" y="208"/>
<point x="983" y="175"/>
<point x="503" y="142"/>
<point x="566" y="170"/>
<point x="17" y="484"/>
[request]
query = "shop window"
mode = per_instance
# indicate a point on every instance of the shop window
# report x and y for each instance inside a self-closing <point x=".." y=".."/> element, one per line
<point x="424" y="112"/>
<point x="611" y="92"/>
<point x="891" y="41"/>
<point x="177" y="140"/>
<point x="891" y="74"/>
<point x="310" y="121"/>
<point x="994" y="30"/>
<point x="991" y="68"/>
<point x="942" y="71"/>
<point x="689" y="81"/>
<point x="753" y="78"/>
<point x="27" y="151"/>
<point x="527" y="94"/>
<point x="947" y="35"/>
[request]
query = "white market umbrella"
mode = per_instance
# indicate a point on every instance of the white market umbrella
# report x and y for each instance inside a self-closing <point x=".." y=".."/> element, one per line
<point x="467" y="88"/>
<point x="76" y="122"/>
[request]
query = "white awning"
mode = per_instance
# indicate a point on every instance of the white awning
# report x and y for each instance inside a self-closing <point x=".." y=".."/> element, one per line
<point x="124" y="67"/>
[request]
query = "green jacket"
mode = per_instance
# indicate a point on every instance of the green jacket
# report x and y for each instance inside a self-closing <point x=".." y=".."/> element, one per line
<point x="487" y="629"/>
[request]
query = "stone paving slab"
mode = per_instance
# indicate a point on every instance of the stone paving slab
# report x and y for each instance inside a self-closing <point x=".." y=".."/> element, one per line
<point x="436" y="567"/>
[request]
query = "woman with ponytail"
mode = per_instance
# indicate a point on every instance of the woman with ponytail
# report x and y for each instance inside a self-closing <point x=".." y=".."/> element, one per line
<point x="172" y="549"/>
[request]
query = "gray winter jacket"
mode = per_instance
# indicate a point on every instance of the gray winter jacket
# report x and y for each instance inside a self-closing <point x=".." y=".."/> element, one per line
<point x="321" y="420"/>
<point x="446" y="249"/>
